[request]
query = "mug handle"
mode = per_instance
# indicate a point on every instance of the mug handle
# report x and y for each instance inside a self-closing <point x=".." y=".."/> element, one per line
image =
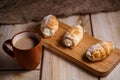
<point x="6" y="49"/>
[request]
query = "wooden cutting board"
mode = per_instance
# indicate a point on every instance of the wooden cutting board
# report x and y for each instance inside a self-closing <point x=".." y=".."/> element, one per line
<point x="77" y="54"/>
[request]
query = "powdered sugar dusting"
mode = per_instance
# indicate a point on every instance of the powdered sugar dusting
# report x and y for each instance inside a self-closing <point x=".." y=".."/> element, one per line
<point x="46" y="26"/>
<point x="94" y="47"/>
<point x="75" y="37"/>
<point x="46" y="19"/>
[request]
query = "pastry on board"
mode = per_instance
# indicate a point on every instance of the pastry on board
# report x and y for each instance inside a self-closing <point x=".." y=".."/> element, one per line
<point x="73" y="36"/>
<point x="49" y="26"/>
<point x="100" y="51"/>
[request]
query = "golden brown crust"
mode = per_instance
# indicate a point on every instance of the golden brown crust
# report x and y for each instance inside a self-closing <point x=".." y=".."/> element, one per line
<point x="51" y="23"/>
<point x="100" y="52"/>
<point x="75" y="34"/>
<point x="74" y="31"/>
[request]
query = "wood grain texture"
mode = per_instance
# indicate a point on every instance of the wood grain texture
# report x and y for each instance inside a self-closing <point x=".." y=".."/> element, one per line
<point x="57" y="68"/>
<point x="77" y="54"/>
<point x="19" y="75"/>
<point x="7" y="32"/>
<point x="106" y="26"/>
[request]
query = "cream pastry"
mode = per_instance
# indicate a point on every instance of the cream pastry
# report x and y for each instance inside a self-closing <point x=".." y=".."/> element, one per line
<point x="99" y="51"/>
<point x="49" y="26"/>
<point x="73" y="36"/>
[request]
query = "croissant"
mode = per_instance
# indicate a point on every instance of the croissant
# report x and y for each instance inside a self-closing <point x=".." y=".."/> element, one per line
<point x="99" y="51"/>
<point x="73" y="36"/>
<point x="49" y="26"/>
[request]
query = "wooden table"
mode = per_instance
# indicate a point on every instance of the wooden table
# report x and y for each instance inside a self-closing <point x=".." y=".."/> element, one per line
<point x="104" y="26"/>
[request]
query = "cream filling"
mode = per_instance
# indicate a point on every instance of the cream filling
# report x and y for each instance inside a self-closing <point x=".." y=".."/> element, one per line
<point x="88" y="55"/>
<point x="91" y="49"/>
<point x="48" y="32"/>
<point x="68" y="42"/>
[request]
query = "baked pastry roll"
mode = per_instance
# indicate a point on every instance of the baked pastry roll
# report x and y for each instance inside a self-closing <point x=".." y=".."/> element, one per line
<point x="73" y="36"/>
<point x="99" y="51"/>
<point x="49" y="26"/>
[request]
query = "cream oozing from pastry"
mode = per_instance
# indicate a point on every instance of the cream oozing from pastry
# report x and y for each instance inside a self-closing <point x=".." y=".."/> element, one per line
<point x="73" y="39"/>
<point x="49" y="26"/>
<point x="100" y="51"/>
<point x="68" y="42"/>
<point x="48" y="32"/>
<point x="92" y="49"/>
<point x="88" y="55"/>
<point x="49" y="19"/>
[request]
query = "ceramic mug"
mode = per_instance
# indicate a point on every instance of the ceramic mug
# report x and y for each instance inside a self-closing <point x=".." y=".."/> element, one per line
<point x="27" y="56"/>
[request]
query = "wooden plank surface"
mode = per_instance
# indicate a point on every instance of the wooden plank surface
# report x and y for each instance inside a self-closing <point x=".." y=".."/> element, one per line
<point x="57" y="68"/>
<point x="19" y="75"/>
<point x="106" y="26"/>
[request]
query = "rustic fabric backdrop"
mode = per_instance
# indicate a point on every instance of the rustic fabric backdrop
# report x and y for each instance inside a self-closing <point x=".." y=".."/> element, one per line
<point x="22" y="11"/>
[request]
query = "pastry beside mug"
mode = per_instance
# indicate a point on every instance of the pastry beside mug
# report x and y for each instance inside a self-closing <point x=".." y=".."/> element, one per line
<point x="49" y="26"/>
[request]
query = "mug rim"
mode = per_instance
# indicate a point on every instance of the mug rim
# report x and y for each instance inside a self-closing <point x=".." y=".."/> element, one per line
<point x="27" y="32"/>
